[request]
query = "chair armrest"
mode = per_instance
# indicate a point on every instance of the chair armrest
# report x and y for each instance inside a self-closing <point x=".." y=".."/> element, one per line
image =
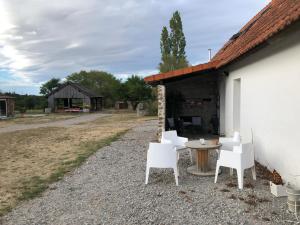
<point x="225" y="139"/>
<point x="229" y="158"/>
<point x="183" y="139"/>
<point x="180" y="141"/>
<point x="165" y="141"/>
<point x="229" y="145"/>
<point x="237" y="149"/>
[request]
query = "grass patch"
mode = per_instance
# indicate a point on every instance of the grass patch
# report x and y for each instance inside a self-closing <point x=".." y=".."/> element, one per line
<point x="32" y="159"/>
<point x="4" y="210"/>
<point x="34" y="186"/>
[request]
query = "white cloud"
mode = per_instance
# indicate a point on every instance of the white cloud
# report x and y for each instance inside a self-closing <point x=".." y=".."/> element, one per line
<point x="40" y="39"/>
<point x="73" y="45"/>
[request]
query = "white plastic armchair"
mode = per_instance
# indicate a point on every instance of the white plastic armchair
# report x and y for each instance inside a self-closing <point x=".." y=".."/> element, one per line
<point x="179" y="142"/>
<point x="241" y="158"/>
<point x="161" y="156"/>
<point x="229" y="142"/>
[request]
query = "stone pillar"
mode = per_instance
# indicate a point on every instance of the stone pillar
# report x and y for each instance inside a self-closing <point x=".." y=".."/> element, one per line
<point x="161" y="99"/>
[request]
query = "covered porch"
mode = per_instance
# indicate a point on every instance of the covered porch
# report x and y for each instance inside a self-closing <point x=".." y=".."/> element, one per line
<point x="191" y="101"/>
<point x="193" y="105"/>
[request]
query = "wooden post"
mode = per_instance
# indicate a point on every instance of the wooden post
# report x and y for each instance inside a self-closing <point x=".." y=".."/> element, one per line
<point x="202" y="160"/>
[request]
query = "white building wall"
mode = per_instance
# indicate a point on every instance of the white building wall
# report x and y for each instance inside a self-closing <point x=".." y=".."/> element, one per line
<point x="270" y="103"/>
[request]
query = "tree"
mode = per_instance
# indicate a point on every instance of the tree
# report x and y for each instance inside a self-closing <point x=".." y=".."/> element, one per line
<point x="165" y="48"/>
<point x="100" y="82"/>
<point x="137" y="90"/>
<point x="49" y="86"/>
<point x="172" y="46"/>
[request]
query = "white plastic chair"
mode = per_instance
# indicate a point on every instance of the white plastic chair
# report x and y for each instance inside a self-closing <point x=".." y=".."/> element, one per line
<point x="170" y="137"/>
<point x="229" y="142"/>
<point x="241" y="158"/>
<point x="161" y="156"/>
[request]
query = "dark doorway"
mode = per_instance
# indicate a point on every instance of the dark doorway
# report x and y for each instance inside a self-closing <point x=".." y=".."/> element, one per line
<point x="192" y="105"/>
<point x="3" y="108"/>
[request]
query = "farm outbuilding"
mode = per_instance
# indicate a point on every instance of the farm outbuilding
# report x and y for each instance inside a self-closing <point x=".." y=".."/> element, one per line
<point x="250" y="86"/>
<point x="72" y="97"/>
<point x="7" y="106"/>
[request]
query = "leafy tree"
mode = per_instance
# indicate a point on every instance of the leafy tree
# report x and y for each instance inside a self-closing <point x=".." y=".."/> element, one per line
<point x="165" y="48"/>
<point x="172" y="46"/>
<point x="100" y="82"/>
<point x="49" y="86"/>
<point x="30" y="102"/>
<point x="137" y="90"/>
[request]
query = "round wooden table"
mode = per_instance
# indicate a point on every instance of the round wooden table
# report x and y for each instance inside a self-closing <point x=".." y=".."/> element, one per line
<point x="202" y="167"/>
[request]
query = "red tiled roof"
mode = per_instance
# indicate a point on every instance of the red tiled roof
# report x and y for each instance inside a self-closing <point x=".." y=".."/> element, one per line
<point x="272" y="19"/>
<point x="276" y="16"/>
<point x="180" y="72"/>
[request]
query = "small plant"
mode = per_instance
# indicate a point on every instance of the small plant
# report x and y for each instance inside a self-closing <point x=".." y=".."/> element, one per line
<point x="276" y="178"/>
<point x="22" y="111"/>
<point x="276" y="184"/>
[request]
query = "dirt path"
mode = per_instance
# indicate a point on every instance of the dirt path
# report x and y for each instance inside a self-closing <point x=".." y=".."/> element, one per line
<point x="60" y="123"/>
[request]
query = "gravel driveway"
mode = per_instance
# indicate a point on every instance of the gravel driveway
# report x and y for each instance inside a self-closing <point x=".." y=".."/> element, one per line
<point x="60" y="123"/>
<point x="109" y="189"/>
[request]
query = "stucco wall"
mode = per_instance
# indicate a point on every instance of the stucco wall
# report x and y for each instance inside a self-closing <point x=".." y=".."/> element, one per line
<point x="270" y="102"/>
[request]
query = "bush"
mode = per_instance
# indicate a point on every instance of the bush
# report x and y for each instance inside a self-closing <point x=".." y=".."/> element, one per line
<point x="152" y="107"/>
<point x="22" y="110"/>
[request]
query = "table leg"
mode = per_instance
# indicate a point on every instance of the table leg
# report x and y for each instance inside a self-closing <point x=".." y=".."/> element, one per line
<point x="202" y="160"/>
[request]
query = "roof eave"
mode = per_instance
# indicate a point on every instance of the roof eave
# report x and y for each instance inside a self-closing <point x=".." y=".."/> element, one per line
<point x="181" y="72"/>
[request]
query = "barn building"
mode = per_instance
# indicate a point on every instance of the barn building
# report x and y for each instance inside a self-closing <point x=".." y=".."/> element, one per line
<point x="7" y="106"/>
<point x="72" y="97"/>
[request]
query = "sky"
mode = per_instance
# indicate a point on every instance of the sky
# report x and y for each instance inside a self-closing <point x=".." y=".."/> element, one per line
<point x="43" y="39"/>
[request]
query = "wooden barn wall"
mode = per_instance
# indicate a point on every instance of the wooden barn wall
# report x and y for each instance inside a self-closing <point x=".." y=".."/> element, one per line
<point x="10" y="107"/>
<point x="68" y="92"/>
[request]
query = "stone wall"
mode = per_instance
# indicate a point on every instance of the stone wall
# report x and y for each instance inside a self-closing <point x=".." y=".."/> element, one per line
<point x="161" y="99"/>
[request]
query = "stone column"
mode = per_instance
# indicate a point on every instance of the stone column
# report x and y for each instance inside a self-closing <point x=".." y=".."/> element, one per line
<point x="161" y="99"/>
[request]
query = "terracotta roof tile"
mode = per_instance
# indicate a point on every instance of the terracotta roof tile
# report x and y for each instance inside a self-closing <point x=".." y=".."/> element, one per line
<point x="180" y="72"/>
<point x="272" y="19"/>
<point x="276" y="16"/>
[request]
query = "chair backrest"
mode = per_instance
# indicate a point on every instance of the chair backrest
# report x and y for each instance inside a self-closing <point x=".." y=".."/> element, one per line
<point x="236" y="136"/>
<point x="170" y="135"/>
<point x="171" y="122"/>
<point x="196" y="120"/>
<point x="161" y="155"/>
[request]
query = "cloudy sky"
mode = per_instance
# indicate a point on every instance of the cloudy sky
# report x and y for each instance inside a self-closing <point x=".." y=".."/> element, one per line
<point x="43" y="39"/>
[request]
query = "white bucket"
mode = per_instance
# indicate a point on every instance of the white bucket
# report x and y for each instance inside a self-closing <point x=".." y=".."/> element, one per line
<point x="293" y="199"/>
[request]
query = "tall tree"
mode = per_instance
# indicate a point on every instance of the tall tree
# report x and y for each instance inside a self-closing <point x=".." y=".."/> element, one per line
<point x="173" y="46"/>
<point x="49" y="86"/>
<point x="165" y="49"/>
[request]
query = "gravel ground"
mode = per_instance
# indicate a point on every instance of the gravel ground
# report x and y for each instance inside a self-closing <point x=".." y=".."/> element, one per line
<point x="60" y="123"/>
<point x="109" y="189"/>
